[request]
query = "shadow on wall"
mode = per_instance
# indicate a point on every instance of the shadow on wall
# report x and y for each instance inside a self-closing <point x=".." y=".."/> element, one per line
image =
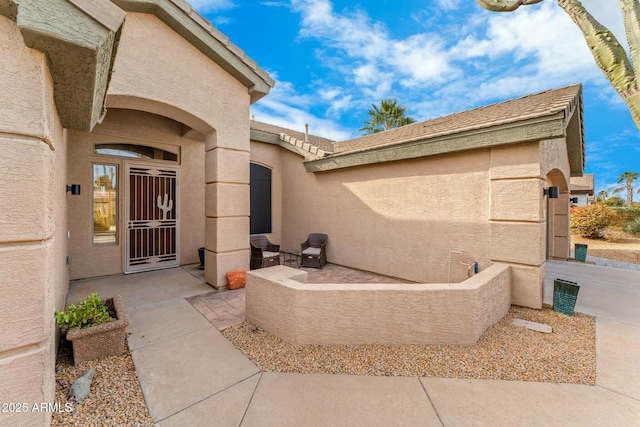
<point x="402" y="219"/>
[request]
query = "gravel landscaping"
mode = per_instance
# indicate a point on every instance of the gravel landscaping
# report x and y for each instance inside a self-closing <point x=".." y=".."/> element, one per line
<point x="116" y="397"/>
<point x="626" y="249"/>
<point x="503" y="352"/>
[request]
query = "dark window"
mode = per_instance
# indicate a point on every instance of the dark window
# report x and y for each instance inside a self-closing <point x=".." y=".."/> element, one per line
<point x="260" y="179"/>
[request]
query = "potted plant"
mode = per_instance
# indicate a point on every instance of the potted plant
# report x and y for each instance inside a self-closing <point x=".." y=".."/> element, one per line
<point x="95" y="328"/>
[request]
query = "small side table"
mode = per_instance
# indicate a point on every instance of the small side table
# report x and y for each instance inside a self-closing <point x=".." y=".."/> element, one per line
<point x="290" y="256"/>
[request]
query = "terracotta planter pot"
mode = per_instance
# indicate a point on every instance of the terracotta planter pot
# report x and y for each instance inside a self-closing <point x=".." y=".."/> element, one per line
<point x="108" y="339"/>
<point x="236" y="279"/>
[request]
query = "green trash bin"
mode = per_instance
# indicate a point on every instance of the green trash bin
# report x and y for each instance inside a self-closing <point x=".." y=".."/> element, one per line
<point x="580" y="252"/>
<point x="565" y="294"/>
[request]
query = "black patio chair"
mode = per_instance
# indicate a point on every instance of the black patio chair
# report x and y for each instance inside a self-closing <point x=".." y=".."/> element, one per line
<point x="313" y="250"/>
<point x="263" y="252"/>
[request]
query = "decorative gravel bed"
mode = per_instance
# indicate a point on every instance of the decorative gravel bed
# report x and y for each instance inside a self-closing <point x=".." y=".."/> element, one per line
<point x="503" y="352"/>
<point x="626" y="249"/>
<point x="116" y="397"/>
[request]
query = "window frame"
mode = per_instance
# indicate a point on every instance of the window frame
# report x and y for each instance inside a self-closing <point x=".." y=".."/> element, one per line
<point x="260" y="215"/>
<point x="116" y="209"/>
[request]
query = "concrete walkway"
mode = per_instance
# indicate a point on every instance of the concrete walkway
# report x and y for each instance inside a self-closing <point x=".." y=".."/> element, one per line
<point x="191" y="375"/>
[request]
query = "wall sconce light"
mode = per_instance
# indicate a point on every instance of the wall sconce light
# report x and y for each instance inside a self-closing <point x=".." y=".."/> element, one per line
<point x="574" y="200"/>
<point x="552" y="192"/>
<point x="74" y="188"/>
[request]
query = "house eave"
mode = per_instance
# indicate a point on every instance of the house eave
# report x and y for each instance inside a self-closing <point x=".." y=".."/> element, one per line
<point x="537" y="129"/>
<point x="181" y="18"/>
<point x="78" y="47"/>
<point x="280" y="141"/>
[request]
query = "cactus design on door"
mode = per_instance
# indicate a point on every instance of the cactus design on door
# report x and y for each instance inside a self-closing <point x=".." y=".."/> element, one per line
<point x="152" y="218"/>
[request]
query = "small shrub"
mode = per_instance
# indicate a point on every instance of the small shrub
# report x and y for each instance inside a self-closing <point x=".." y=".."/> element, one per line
<point x="633" y="227"/>
<point x="614" y="201"/>
<point x="611" y="235"/>
<point x="91" y="311"/>
<point x="622" y="216"/>
<point x="618" y="218"/>
<point x="589" y="221"/>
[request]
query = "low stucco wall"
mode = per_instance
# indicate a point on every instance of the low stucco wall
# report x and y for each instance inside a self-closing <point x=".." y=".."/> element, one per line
<point x="279" y="301"/>
<point x="427" y="219"/>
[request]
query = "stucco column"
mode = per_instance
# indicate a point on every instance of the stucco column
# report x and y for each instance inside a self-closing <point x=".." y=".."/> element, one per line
<point x="226" y="209"/>
<point x="559" y="238"/>
<point x="517" y="220"/>
<point x="33" y="274"/>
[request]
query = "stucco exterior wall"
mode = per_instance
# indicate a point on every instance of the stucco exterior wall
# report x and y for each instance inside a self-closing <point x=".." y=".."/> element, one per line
<point x="33" y="272"/>
<point x="419" y="219"/>
<point x="131" y="127"/>
<point x="428" y="219"/>
<point x="155" y="71"/>
<point x="279" y="300"/>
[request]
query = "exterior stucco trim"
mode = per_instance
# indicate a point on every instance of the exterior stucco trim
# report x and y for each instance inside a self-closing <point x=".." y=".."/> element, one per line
<point x="530" y="130"/>
<point x="198" y="31"/>
<point x="78" y="45"/>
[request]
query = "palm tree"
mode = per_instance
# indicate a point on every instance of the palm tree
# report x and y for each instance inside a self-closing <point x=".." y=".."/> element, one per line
<point x="602" y="195"/>
<point x="388" y="116"/>
<point x="627" y="178"/>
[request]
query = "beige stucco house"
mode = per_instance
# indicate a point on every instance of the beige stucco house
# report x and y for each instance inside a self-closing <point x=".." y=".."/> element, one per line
<point x="582" y="189"/>
<point x="143" y="107"/>
<point x="425" y="201"/>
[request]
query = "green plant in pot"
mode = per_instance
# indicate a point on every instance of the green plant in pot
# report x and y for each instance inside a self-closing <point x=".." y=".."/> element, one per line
<point x="91" y="311"/>
<point x="95" y="328"/>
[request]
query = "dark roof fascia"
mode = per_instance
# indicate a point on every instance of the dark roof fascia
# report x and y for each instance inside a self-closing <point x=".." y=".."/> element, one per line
<point x="575" y="138"/>
<point x="536" y="129"/>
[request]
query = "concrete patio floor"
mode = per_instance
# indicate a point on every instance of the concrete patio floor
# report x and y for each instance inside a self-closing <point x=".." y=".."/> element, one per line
<point x="191" y="375"/>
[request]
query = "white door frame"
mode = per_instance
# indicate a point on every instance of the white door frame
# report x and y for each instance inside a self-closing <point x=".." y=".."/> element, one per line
<point x="152" y="235"/>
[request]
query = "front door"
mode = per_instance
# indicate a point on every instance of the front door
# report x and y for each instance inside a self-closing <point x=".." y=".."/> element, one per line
<point x="152" y="218"/>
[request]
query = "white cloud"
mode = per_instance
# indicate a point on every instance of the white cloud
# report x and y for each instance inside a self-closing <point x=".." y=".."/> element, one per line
<point x="448" y="4"/>
<point x="422" y="59"/>
<point x="462" y="61"/>
<point x="284" y="107"/>
<point x="419" y="59"/>
<point x="205" y="6"/>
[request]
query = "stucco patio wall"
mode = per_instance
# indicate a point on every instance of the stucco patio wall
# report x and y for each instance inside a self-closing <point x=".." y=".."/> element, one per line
<point x="279" y="301"/>
<point x="427" y="219"/>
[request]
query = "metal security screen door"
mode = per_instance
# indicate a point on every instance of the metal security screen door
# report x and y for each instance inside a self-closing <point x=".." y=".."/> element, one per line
<point x="152" y="218"/>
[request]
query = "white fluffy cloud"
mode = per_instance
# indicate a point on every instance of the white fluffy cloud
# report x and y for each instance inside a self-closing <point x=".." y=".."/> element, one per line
<point x="465" y="58"/>
<point x="205" y="6"/>
<point x="418" y="59"/>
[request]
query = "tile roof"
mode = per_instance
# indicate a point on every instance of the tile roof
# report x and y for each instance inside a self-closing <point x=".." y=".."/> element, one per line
<point x="548" y="103"/>
<point x="323" y="144"/>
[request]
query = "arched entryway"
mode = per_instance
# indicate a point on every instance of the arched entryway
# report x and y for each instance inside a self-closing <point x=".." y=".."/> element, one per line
<point x="557" y="217"/>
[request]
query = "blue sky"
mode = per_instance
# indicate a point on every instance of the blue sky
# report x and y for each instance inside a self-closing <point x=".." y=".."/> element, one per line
<point x="332" y="59"/>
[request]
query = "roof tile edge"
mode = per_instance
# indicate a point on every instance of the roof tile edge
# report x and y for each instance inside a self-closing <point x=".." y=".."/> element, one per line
<point x="311" y="152"/>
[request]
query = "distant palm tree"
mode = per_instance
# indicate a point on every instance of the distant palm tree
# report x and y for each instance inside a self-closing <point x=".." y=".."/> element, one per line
<point x="388" y="116"/>
<point x="627" y="178"/>
<point x="602" y="195"/>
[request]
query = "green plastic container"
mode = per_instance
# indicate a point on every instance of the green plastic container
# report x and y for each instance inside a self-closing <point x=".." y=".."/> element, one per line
<point x="565" y="294"/>
<point x="581" y="252"/>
